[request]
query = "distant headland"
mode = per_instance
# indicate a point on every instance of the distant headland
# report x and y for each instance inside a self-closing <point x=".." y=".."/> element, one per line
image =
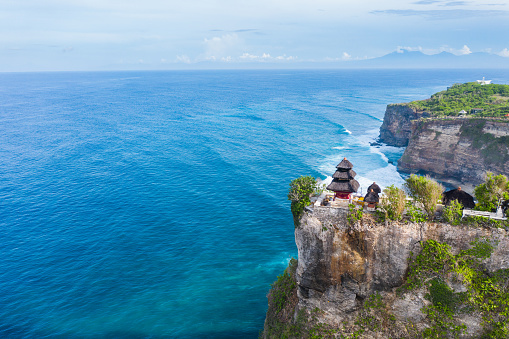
<point x="456" y="136"/>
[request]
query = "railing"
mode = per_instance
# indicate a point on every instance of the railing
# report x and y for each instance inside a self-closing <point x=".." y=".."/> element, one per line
<point x="497" y="216"/>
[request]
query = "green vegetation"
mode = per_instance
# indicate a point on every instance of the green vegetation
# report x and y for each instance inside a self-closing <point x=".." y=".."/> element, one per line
<point x="479" y="221"/>
<point x="415" y="214"/>
<point x="372" y="317"/>
<point x="394" y="202"/>
<point x="453" y="212"/>
<point x="299" y="193"/>
<point x="282" y="301"/>
<point x="426" y="191"/>
<point x="354" y="214"/>
<point x="284" y="286"/>
<point x="486" y="293"/>
<point x="493" y="99"/>
<point x="488" y="194"/>
<point x="493" y="149"/>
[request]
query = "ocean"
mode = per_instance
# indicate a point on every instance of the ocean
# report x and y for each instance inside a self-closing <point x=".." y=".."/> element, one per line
<point x="153" y="204"/>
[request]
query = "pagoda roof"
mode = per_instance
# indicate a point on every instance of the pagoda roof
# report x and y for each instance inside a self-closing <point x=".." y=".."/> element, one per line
<point x="458" y="194"/>
<point x="349" y="186"/>
<point x="345" y="175"/>
<point x="371" y="197"/>
<point x="345" y="164"/>
<point x="375" y="188"/>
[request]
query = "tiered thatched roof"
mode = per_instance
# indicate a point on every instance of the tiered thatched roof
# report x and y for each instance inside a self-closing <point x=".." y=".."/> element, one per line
<point x="344" y="175"/>
<point x="371" y="197"/>
<point x="343" y="179"/>
<point x="375" y="188"/>
<point x="458" y="194"/>
<point x="349" y="186"/>
<point x="345" y="165"/>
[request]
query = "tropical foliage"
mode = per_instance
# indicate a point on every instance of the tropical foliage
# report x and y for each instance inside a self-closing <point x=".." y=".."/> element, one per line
<point x="300" y="190"/>
<point x="426" y="191"/>
<point x="493" y="99"/>
<point x="394" y="202"/>
<point x="488" y="194"/>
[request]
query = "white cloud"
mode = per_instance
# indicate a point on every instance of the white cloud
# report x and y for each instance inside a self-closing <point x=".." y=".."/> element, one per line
<point x="401" y="49"/>
<point x="247" y="56"/>
<point x="465" y="50"/>
<point x="217" y="48"/>
<point x="265" y="57"/>
<point x="252" y="57"/>
<point x="184" y="59"/>
<point x="346" y="56"/>
<point x="288" y="58"/>
<point x="504" y="53"/>
<point x="462" y="51"/>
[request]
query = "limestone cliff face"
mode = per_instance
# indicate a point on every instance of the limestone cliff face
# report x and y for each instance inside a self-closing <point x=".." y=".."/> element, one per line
<point x="397" y="125"/>
<point x="339" y="266"/>
<point x="461" y="149"/>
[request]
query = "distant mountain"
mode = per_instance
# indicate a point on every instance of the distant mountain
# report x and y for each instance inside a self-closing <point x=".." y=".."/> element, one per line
<point x="402" y="59"/>
<point x="409" y="59"/>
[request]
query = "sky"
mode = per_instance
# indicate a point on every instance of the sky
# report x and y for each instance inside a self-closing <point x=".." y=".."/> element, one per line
<point x="82" y="35"/>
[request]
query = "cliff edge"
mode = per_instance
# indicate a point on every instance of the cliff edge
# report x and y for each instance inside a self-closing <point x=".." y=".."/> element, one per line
<point x="397" y="125"/>
<point x="376" y="280"/>
<point x="458" y="150"/>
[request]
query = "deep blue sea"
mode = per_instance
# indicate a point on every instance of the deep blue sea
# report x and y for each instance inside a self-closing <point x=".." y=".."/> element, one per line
<point x="153" y="204"/>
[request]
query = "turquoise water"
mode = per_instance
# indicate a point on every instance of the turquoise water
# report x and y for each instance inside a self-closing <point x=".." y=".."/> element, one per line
<point x="153" y="204"/>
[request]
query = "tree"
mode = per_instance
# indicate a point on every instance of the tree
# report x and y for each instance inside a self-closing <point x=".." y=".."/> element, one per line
<point x="394" y="202"/>
<point x="425" y="191"/>
<point x="453" y="212"/>
<point x="488" y="194"/>
<point x="300" y="190"/>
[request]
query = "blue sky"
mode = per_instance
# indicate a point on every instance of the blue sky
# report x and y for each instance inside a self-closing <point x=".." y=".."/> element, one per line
<point x="47" y="35"/>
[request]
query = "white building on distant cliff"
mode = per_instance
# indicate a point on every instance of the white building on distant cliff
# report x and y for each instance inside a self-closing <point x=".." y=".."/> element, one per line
<point x="484" y="82"/>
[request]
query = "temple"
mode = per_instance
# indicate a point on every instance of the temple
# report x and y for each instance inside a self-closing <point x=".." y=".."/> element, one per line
<point x="461" y="196"/>
<point x="343" y="182"/>
<point x="371" y="199"/>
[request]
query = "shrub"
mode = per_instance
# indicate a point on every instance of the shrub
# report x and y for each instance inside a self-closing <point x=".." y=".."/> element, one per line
<point x="394" y="202"/>
<point x="415" y="214"/>
<point x="488" y="194"/>
<point x="453" y="212"/>
<point x="283" y="287"/>
<point x="300" y="190"/>
<point x="425" y="191"/>
<point x="282" y="300"/>
<point x="354" y="214"/>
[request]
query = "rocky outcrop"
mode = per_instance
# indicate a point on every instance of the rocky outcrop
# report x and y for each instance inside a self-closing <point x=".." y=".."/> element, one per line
<point x="459" y="150"/>
<point x="454" y="150"/>
<point x="397" y="125"/>
<point x="341" y="265"/>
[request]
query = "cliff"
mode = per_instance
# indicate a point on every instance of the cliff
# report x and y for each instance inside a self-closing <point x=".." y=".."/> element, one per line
<point x="362" y="280"/>
<point x="397" y="125"/>
<point x="459" y="149"/>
